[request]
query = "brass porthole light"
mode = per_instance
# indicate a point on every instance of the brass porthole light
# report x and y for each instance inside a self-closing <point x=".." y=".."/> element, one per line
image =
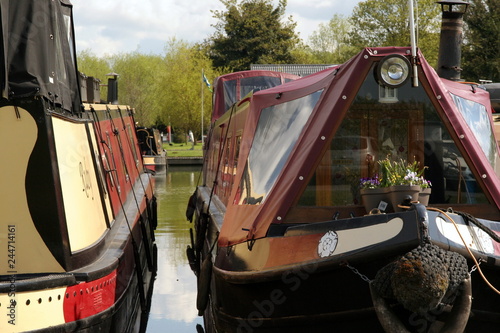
<point x="393" y="71"/>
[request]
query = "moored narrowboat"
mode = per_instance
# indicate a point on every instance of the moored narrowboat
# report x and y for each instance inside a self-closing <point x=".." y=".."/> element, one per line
<point x="153" y="154"/>
<point x="284" y="239"/>
<point x="78" y="209"/>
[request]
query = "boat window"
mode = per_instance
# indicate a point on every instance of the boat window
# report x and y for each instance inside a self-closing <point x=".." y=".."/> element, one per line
<point x="60" y="44"/>
<point x="230" y="96"/>
<point x="215" y="159"/>
<point x="237" y="153"/>
<point x="477" y="118"/>
<point x="256" y="83"/>
<point x="277" y="131"/>
<point x="132" y="145"/>
<point x="399" y="123"/>
<point x="69" y="35"/>
<point x="122" y="158"/>
<point x="236" y="89"/>
<point x="110" y="163"/>
<point x="227" y="172"/>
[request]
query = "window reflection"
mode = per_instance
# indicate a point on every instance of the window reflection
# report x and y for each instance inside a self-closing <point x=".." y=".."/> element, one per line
<point x="277" y="132"/>
<point x="477" y="118"/>
<point x="407" y="128"/>
<point x="240" y="87"/>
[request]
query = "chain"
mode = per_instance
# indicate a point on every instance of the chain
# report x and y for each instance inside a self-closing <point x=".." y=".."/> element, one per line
<point x="474" y="268"/>
<point x="355" y="271"/>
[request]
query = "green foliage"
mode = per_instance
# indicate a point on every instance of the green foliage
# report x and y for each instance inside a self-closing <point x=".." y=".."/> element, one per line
<point x="163" y="89"/>
<point x="138" y="84"/>
<point x="91" y="65"/>
<point x="330" y="43"/>
<point x="482" y="41"/>
<point x="401" y="172"/>
<point x="386" y="23"/>
<point x="251" y="32"/>
<point x="181" y="88"/>
<point x="303" y="54"/>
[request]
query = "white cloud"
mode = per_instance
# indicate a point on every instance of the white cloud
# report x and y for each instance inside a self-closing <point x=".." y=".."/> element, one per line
<point x="108" y="27"/>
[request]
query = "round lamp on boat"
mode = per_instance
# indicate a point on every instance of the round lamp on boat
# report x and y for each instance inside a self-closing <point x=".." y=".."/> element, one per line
<point x="393" y="70"/>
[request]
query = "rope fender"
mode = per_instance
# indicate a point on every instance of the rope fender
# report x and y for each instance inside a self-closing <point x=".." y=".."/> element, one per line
<point x="422" y="280"/>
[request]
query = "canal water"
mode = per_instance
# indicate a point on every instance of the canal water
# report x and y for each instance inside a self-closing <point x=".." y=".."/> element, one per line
<point x="173" y="307"/>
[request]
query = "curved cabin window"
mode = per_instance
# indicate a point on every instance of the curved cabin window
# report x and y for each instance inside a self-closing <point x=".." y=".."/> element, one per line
<point x="478" y="120"/>
<point x="237" y="89"/>
<point x="277" y="131"/>
<point x="399" y="123"/>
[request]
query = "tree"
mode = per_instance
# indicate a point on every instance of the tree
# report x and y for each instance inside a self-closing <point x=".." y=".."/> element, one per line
<point x="163" y="89"/>
<point x="91" y="65"/>
<point x="181" y="87"/>
<point x="138" y="84"/>
<point x="330" y="43"/>
<point x="303" y="54"/>
<point x="386" y="23"/>
<point x="251" y="32"/>
<point x="482" y="41"/>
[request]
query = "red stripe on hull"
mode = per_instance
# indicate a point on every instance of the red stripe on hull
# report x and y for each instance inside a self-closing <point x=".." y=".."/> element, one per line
<point x="89" y="298"/>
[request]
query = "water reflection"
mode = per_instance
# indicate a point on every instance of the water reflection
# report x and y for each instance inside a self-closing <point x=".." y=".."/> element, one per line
<point x="173" y="306"/>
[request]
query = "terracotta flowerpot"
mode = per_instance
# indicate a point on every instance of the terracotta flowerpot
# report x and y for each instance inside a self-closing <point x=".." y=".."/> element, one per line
<point x="375" y="198"/>
<point x="400" y="193"/>
<point x="424" y="195"/>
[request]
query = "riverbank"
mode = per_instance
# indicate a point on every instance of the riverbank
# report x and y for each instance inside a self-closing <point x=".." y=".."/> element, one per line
<point x="184" y="154"/>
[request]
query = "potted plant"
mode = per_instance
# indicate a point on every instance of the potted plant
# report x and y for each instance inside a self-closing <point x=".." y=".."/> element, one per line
<point x="404" y="180"/>
<point x="415" y="176"/>
<point x="373" y="195"/>
<point x="398" y="181"/>
<point x="425" y="191"/>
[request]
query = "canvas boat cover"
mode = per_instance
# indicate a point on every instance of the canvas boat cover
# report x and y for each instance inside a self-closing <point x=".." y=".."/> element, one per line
<point x="37" y="52"/>
<point x="338" y="84"/>
<point x="230" y="88"/>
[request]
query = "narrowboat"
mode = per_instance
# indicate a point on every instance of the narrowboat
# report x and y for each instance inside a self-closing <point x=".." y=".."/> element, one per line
<point x="151" y="146"/>
<point x="78" y="209"/>
<point x="284" y="239"/>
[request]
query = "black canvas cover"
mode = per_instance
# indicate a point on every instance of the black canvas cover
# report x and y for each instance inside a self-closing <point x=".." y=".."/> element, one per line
<point x="37" y="51"/>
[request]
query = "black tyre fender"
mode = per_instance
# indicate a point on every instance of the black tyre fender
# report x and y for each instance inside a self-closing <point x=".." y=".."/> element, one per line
<point x="204" y="280"/>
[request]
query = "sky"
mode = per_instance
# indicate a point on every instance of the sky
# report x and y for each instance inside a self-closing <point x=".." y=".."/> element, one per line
<point x="110" y="27"/>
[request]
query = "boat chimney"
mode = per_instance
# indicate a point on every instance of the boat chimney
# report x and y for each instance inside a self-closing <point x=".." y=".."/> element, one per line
<point x="112" y="88"/>
<point x="450" y="50"/>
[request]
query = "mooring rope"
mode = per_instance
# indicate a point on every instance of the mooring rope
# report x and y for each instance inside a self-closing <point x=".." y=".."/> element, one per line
<point x="469" y="218"/>
<point x="466" y="247"/>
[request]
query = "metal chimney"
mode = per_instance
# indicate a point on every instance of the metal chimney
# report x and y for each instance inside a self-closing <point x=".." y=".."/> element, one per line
<point x="450" y="50"/>
<point x="112" y="88"/>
